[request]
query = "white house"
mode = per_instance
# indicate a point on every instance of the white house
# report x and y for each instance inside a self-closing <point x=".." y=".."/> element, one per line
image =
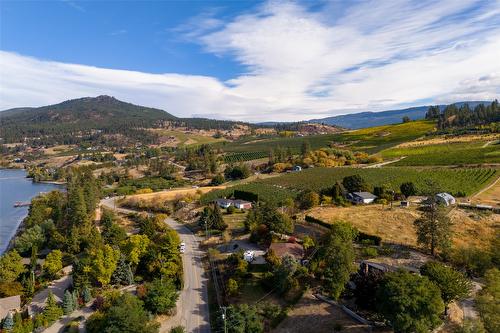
<point x="224" y="203"/>
<point x="445" y="199"/>
<point x="361" y="197"/>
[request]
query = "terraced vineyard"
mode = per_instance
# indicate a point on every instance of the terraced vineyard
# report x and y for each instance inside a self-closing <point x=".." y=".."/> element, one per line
<point x="467" y="181"/>
<point x="244" y="156"/>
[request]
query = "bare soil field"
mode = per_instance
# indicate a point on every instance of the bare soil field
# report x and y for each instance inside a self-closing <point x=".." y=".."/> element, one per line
<point x="310" y="313"/>
<point x="396" y="225"/>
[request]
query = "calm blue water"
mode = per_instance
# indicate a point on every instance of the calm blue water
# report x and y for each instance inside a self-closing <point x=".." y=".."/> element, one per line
<point x="14" y="186"/>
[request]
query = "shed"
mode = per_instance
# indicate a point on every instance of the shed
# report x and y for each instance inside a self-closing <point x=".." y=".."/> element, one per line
<point x="361" y="197"/>
<point x="8" y="305"/>
<point x="405" y="204"/>
<point x="242" y="204"/>
<point x="294" y="250"/>
<point x="445" y="199"/>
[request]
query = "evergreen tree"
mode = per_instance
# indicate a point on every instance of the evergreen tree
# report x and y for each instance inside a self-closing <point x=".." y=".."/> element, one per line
<point x="74" y="294"/>
<point x="86" y="295"/>
<point x="123" y="273"/>
<point x="68" y="303"/>
<point x="52" y="310"/>
<point x="434" y="227"/>
<point x="8" y="322"/>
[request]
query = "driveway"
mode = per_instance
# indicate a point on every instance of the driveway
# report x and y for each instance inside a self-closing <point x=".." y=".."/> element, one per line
<point x="57" y="287"/>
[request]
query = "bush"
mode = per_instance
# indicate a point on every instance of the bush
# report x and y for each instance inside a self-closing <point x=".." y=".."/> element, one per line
<point x="161" y="296"/>
<point x="369" y="252"/>
<point x="362" y="237"/>
<point x="231" y="209"/>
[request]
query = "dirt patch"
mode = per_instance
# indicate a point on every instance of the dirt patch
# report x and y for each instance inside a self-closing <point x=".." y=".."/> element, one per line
<point x="313" y="315"/>
<point x="489" y="196"/>
<point x="173" y="194"/>
<point x="474" y="228"/>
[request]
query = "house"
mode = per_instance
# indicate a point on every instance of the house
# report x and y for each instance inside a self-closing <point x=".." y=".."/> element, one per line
<point x="297" y="168"/>
<point x="224" y="203"/>
<point x="294" y="250"/>
<point x="361" y="197"/>
<point x="405" y="204"/>
<point x="242" y="204"/>
<point x="445" y="199"/>
<point x="8" y="305"/>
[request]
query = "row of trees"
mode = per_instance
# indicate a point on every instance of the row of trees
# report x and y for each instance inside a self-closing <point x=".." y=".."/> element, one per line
<point x="464" y="116"/>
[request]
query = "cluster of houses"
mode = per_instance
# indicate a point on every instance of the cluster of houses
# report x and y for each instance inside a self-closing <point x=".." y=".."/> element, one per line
<point x="444" y="199"/>
<point x="239" y="204"/>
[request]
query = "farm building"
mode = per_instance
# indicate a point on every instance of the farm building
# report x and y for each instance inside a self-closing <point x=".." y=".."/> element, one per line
<point x="294" y="250"/>
<point x="361" y="197"/>
<point x="445" y="199"/>
<point x="8" y="305"/>
<point x="224" y="203"/>
<point x="242" y="204"/>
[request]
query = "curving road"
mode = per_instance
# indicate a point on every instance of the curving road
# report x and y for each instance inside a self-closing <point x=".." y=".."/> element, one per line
<point x="192" y="306"/>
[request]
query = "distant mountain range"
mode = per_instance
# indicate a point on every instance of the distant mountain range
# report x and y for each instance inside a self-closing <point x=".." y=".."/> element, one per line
<point x="370" y="119"/>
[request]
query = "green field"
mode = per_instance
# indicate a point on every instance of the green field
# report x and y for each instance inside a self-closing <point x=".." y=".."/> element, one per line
<point x="371" y="140"/>
<point x="244" y="156"/>
<point x="453" y="181"/>
<point x="189" y="139"/>
<point x="445" y="154"/>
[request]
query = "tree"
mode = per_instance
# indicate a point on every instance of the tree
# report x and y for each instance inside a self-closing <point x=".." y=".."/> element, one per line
<point x="232" y="287"/>
<point x="243" y="319"/>
<point x="86" y="295"/>
<point x="410" y="302"/>
<point x="104" y="263"/>
<point x="123" y="273"/>
<point x="308" y="199"/>
<point x="30" y="238"/>
<point x="135" y="247"/>
<point x="217" y="180"/>
<point x="283" y="273"/>
<point x="68" y="303"/>
<point x="112" y="233"/>
<point x="366" y="289"/>
<point x="52" y="310"/>
<point x="8" y="322"/>
<point x="453" y="284"/>
<point x="408" y="189"/>
<point x="487" y="302"/>
<point x="11" y="266"/>
<point x="125" y="315"/>
<point x="355" y="183"/>
<point x="406" y="119"/>
<point x="241" y="171"/>
<point x="434" y="228"/>
<point x="161" y="296"/>
<point x="336" y="256"/>
<point x="307" y="242"/>
<point x="53" y="263"/>
<point x="305" y="148"/>
<point x="212" y="218"/>
<point x="178" y="329"/>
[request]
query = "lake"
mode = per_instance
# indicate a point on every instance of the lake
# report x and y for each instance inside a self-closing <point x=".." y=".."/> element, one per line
<point x="14" y="187"/>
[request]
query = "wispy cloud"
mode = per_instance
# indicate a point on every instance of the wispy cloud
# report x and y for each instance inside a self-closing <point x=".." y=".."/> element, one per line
<point x="118" y="32"/>
<point x="74" y="5"/>
<point x="301" y="62"/>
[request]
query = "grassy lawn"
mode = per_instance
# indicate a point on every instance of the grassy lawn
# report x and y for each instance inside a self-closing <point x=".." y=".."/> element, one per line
<point x="236" y="220"/>
<point x="189" y="139"/>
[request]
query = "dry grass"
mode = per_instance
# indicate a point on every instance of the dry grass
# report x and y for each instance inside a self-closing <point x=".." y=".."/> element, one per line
<point x="444" y="139"/>
<point x="489" y="196"/>
<point x="169" y="195"/>
<point x="396" y="225"/>
<point x="313" y="315"/>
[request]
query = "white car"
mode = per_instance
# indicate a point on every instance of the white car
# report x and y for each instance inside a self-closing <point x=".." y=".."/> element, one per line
<point x="182" y="247"/>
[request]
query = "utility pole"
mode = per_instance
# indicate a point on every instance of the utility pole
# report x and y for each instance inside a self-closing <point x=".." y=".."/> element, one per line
<point x="224" y="318"/>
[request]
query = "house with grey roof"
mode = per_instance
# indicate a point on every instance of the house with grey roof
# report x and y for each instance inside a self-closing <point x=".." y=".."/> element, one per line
<point x="361" y="197"/>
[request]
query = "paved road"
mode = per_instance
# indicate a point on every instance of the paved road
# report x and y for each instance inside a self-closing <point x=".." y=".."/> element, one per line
<point x="192" y="307"/>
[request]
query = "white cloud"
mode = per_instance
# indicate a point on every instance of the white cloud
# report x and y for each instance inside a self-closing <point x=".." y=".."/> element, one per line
<point x="300" y="63"/>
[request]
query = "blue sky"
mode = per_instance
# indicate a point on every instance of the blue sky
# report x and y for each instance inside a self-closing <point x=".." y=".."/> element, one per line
<point x="255" y="61"/>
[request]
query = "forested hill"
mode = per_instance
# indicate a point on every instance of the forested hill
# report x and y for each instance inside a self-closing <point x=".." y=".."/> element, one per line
<point x="370" y="119"/>
<point x="91" y="116"/>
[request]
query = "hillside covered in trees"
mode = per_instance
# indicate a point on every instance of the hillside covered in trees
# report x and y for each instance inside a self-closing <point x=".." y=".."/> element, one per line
<point x="464" y="116"/>
<point x="91" y="118"/>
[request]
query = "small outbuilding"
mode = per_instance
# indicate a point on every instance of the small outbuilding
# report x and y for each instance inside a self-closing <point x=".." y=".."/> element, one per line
<point x="445" y="199"/>
<point x="361" y="197"/>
